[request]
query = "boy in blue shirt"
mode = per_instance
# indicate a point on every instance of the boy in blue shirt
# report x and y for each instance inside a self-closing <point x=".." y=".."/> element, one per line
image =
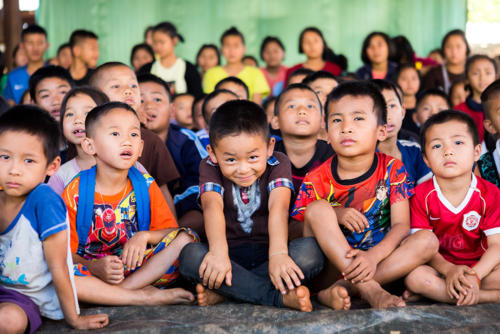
<point x="35" y="262"/>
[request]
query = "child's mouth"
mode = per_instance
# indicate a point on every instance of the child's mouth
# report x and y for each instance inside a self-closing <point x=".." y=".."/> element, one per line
<point x="79" y="132"/>
<point x="126" y="154"/>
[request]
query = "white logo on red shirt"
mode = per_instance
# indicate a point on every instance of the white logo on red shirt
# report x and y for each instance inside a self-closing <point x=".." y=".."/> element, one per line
<point x="471" y="220"/>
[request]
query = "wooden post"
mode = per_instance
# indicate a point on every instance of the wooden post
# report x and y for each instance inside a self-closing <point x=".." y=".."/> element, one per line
<point x="11" y="28"/>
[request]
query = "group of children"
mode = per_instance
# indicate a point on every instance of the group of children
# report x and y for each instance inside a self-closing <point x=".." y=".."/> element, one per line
<point x="337" y="187"/>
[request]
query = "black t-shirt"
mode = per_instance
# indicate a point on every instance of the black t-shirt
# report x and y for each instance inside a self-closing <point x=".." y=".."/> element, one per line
<point x="85" y="80"/>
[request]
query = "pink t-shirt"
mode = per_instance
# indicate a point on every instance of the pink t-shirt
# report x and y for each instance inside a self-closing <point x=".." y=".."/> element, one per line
<point x="277" y="84"/>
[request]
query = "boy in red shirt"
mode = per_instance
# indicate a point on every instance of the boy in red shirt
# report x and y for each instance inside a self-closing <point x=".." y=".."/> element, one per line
<point x="461" y="209"/>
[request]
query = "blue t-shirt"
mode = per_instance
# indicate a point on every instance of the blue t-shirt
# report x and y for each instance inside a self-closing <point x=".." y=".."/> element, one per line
<point x="17" y="83"/>
<point x="203" y="137"/>
<point x="22" y="262"/>
<point x="411" y="156"/>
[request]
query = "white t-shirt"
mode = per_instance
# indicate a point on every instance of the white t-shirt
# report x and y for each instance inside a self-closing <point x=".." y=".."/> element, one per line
<point x="173" y="75"/>
<point x="22" y="263"/>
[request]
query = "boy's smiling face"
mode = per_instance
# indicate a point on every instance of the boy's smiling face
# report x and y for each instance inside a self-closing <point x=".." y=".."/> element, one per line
<point x="49" y="94"/>
<point x="23" y="164"/>
<point x="449" y="149"/>
<point x="155" y="106"/>
<point x="115" y="140"/>
<point x="242" y="158"/>
<point x="353" y="128"/>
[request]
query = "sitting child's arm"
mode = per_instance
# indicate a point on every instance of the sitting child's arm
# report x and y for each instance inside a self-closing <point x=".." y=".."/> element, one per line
<point x="56" y="261"/>
<point x="216" y="266"/>
<point x="281" y="266"/>
<point x="364" y="265"/>
<point x="351" y="219"/>
<point x="108" y="268"/>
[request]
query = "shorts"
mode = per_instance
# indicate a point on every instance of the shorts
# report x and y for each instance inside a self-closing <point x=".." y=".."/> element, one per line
<point x="29" y="307"/>
<point x="172" y="273"/>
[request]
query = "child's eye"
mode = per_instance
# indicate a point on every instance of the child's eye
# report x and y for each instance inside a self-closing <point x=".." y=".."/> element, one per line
<point x="253" y="157"/>
<point x="359" y="118"/>
<point x="310" y="106"/>
<point x="115" y="86"/>
<point x="142" y="101"/>
<point x="318" y="92"/>
<point x="4" y="157"/>
<point x="115" y="133"/>
<point x="336" y="120"/>
<point x="69" y="114"/>
<point x="133" y="86"/>
<point x="157" y="99"/>
<point x="291" y="106"/>
<point x="230" y="160"/>
<point x="29" y="161"/>
<point x="134" y="134"/>
<point x="392" y="105"/>
<point x="436" y="146"/>
<point x="459" y="142"/>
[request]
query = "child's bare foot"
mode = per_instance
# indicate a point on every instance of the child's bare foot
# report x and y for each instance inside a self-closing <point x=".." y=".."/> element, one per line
<point x="155" y="296"/>
<point x="409" y="296"/>
<point x="377" y="297"/>
<point x="207" y="297"/>
<point x="298" y="299"/>
<point x="335" y="297"/>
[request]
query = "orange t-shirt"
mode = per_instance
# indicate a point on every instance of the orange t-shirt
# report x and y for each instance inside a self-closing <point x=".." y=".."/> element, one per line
<point x="115" y="220"/>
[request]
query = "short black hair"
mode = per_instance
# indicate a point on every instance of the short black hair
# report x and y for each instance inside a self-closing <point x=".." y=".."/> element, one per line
<point x="245" y="57"/>
<point x="234" y="80"/>
<point x="79" y="35"/>
<point x="62" y="47"/>
<point x="268" y="40"/>
<point x="366" y="44"/>
<point x="472" y="59"/>
<point x="143" y="46"/>
<point x="46" y="72"/>
<point x="208" y="46"/>
<point x="96" y="74"/>
<point x="233" y="31"/>
<point x="300" y="71"/>
<point x="432" y="92"/>
<point x="404" y="67"/>
<point x="447" y="116"/>
<point x="34" y="121"/>
<point x="359" y="89"/>
<point x="455" y="32"/>
<point x="267" y="101"/>
<point x="169" y="29"/>
<point x="212" y="96"/>
<point x="401" y="50"/>
<point x="148" y="29"/>
<point x="99" y="111"/>
<point x="33" y="29"/>
<point x="148" y="77"/>
<point x="236" y="117"/>
<point x="491" y="92"/>
<point x="196" y="100"/>
<point x="318" y="75"/>
<point x="382" y="84"/>
<point x="314" y="30"/>
<point x="297" y="86"/>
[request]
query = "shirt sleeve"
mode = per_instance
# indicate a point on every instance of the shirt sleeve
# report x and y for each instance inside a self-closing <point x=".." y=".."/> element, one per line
<point x="210" y="177"/>
<point x="8" y="93"/>
<point x="70" y="198"/>
<point x="401" y="186"/>
<point x="50" y="212"/>
<point x="490" y="224"/>
<point x="56" y="183"/>
<point x="260" y="85"/>
<point x="418" y="214"/>
<point x="307" y="194"/>
<point x="281" y="172"/>
<point x="161" y="216"/>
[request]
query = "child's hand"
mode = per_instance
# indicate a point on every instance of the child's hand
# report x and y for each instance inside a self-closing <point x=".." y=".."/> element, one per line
<point x="282" y="268"/>
<point x="472" y="296"/>
<point x="352" y="219"/>
<point x="133" y="250"/>
<point x="92" y="321"/>
<point x="108" y="268"/>
<point x="362" y="267"/>
<point x="456" y="283"/>
<point x="215" y="268"/>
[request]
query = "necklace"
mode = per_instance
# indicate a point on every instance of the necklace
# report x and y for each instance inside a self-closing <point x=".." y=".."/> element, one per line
<point x="121" y="199"/>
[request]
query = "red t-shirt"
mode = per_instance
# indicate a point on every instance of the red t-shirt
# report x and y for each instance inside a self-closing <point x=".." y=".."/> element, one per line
<point x="477" y="115"/>
<point x="461" y="230"/>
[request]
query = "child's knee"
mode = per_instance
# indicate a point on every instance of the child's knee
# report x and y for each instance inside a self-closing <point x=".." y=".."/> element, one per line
<point x="426" y="242"/>
<point x="418" y="280"/>
<point x="307" y="254"/>
<point x="13" y="319"/>
<point x="190" y="259"/>
<point x="315" y="210"/>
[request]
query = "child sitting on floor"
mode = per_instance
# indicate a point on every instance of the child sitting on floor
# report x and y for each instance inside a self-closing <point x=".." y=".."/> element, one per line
<point x="462" y="210"/>
<point x="35" y="262"/>
<point x="356" y="204"/>
<point x="245" y="193"/>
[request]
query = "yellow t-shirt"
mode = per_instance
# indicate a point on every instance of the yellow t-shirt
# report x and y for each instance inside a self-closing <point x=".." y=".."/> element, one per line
<point x="251" y="76"/>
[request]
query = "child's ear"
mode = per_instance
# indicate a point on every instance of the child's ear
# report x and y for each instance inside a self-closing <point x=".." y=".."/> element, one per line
<point x="141" y="147"/>
<point x="275" y="125"/>
<point x="270" y="147"/>
<point x="489" y="127"/>
<point x="88" y="146"/>
<point x="53" y="166"/>
<point x="477" y="152"/>
<point x="381" y="132"/>
<point x="211" y="154"/>
<point x="403" y="111"/>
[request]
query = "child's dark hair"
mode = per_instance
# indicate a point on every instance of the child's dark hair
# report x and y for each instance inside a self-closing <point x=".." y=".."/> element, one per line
<point x="48" y="72"/>
<point x="169" y="29"/>
<point x="78" y="36"/>
<point x="143" y="46"/>
<point x="97" y="73"/>
<point x="268" y="40"/>
<point x="300" y="71"/>
<point x="208" y="46"/>
<point x="33" y="29"/>
<point x="456" y="32"/>
<point x="491" y="92"/>
<point x="314" y="30"/>
<point x="181" y="95"/>
<point x="366" y="44"/>
<point x="148" y="77"/>
<point x="234" y="80"/>
<point x="359" y="89"/>
<point x="432" y="92"/>
<point x="267" y="102"/>
<point x="148" y="29"/>
<point x="297" y="86"/>
<point x="404" y="67"/>
<point x="99" y="111"/>
<point x="401" y="51"/>
<point x="196" y="100"/>
<point x="62" y="47"/>
<point x="252" y="58"/>
<point x="472" y="59"/>
<point x="318" y="75"/>
<point x="236" y="117"/>
<point x="210" y="97"/>
<point x="382" y="85"/>
<point x="232" y="32"/>
<point x="34" y="121"/>
<point x="447" y="116"/>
